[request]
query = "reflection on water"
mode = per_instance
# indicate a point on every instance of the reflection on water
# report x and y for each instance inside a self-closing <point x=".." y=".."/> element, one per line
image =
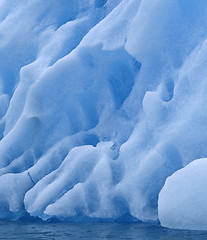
<point x="90" y="231"/>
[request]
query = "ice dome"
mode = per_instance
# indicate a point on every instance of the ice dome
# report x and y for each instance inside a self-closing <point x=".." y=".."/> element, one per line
<point x="183" y="199"/>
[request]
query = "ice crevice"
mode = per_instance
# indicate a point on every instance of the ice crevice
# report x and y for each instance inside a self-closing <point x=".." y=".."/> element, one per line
<point x="100" y="103"/>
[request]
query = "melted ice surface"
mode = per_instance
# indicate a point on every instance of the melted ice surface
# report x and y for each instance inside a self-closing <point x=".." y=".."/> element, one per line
<point x="100" y="101"/>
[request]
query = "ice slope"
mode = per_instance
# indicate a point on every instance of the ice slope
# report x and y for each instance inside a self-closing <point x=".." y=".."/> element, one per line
<point x="100" y="102"/>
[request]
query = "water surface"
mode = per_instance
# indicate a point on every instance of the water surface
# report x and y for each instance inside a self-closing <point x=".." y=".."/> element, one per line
<point x="90" y="231"/>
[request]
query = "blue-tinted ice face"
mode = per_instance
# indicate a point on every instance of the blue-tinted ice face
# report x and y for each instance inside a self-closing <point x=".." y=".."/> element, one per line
<point x="100" y="102"/>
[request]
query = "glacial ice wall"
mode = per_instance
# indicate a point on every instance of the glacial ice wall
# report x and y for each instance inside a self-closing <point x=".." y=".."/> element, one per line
<point x="100" y="102"/>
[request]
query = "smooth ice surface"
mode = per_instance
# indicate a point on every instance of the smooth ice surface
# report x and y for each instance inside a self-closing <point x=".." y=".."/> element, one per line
<point x="100" y="102"/>
<point x="183" y="200"/>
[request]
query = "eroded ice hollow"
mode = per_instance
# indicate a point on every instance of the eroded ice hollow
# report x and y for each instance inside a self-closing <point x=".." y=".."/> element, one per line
<point x="100" y="102"/>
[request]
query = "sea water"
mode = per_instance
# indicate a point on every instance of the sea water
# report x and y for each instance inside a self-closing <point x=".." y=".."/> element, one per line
<point x="90" y="231"/>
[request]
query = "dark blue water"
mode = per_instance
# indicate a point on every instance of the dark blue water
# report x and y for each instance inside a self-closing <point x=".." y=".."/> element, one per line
<point x="90" y="231"/>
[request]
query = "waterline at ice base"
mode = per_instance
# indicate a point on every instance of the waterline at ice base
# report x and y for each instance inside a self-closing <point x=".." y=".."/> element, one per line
<point x="103" y="111"/>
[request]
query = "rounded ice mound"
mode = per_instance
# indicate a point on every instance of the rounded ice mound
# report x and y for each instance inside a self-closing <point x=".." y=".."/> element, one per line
<point x="183" y="200"/>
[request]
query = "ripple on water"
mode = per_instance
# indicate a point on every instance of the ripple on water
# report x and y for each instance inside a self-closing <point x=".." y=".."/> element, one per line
<point x="90" y="231"/>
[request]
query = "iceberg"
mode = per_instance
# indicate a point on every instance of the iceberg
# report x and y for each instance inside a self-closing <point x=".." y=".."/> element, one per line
<point x="101" y="101"/>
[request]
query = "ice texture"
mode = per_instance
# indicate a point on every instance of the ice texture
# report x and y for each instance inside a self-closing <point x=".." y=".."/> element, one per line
<point x="100" y="102"/>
